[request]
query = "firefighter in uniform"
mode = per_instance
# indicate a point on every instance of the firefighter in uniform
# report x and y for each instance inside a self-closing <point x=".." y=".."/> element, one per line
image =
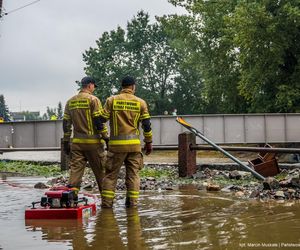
<point x="82" y="115"/>
<point x="125" y="111"/>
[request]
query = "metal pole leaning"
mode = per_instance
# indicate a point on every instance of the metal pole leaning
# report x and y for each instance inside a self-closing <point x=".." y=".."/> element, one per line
<point x="199" y="134"/>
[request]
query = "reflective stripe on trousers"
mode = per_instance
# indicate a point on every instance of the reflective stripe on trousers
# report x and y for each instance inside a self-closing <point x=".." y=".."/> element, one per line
<point x="133" y="194"/>
<point x="108" y="194"/>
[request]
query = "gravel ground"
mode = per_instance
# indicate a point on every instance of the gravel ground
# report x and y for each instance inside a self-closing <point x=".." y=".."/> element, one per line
<point x="215" y="173"/>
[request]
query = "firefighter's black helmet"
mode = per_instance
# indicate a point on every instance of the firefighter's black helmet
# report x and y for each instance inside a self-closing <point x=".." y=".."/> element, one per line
<point x="87" y="80"/>
<point x="127" y="81"/>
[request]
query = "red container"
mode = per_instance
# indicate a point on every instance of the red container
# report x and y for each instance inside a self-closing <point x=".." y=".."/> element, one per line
<point x="82" y="211"/>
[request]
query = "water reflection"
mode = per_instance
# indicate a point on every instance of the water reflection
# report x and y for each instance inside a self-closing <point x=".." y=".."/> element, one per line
<point x="104" y="233"/>
<point x="187" y="220"/>
<point x="135" y="237"/>
<point x="55" y="230"/>
<point x="100" y="232"/>
<point x="183" y="219"/>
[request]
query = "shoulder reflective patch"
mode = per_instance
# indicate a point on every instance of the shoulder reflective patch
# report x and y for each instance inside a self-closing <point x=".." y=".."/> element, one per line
<point x="66" y="117"/>
<point x="126" y="105"/>
<point x="145" y="116"/>
<point x="79" y="104"/>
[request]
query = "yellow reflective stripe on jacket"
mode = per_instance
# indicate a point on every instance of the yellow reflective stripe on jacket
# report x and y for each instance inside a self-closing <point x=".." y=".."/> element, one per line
<point x="115" y="123"/>
<point x="89" y="121"/>
<point x="124" y="137"/>
<point x="127" y="105"/>
<point x="148" y="134"/>
<point x="105" y="114"/>
<point x="103" y="130"/>
<point x="145" y="116"/>
<point x="108" y="194"/>
<point x="124" y="142"/>
<point x="135" y="123"/>
<point x="96" y="114"/>
<point x="133" y="194"/>
<point x="87" y="140"/>
<point x="66" y="117"/>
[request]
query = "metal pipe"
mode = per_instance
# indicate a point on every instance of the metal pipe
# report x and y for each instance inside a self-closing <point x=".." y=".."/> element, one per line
<point x="199" y="134"/>
<point x="248" y="149"/>
<point x="175" y="147"/>
<point x="29" y="149"/>
<point x="257" y="175"/>
<point x="4" y="150"/>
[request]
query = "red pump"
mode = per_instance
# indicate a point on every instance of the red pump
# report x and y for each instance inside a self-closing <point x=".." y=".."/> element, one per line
<point x="61" y="203"/>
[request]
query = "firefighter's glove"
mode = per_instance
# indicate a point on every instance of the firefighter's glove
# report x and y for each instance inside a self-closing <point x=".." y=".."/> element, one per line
<point x="67" y="147"/>
<point x="148" y="148"/>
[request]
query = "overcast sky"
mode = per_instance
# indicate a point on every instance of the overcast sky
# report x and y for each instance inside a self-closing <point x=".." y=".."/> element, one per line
<point x="41" y="45"/>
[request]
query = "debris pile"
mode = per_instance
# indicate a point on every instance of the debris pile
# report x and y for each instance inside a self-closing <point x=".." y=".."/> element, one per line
<point x="284" y="186"/>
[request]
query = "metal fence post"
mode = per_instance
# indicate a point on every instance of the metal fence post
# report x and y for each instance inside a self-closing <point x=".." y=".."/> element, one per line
<point x="186" y="156"/>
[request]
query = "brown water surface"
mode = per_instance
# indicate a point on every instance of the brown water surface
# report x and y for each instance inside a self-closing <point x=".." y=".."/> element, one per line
<point x="183" y="219"/>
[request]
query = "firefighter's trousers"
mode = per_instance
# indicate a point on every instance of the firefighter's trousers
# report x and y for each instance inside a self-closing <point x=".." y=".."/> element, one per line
<point x="133" y="162"/>
<point x="96" y="158"/>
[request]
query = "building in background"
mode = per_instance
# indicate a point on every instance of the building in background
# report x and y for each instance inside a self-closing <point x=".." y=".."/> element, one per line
<point x="25" y="116"/>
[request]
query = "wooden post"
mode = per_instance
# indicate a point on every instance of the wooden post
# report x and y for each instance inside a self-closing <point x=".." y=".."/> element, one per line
<point x="64" y="159"/>
<point x="186" y="156"/>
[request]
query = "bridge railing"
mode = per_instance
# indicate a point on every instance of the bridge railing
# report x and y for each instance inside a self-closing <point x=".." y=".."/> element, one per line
<point x="222" y="129"/>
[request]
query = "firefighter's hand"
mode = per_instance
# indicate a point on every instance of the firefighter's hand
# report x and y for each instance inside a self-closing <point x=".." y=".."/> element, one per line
<point x="67" y="147"/>
<point x="148" y="148"/>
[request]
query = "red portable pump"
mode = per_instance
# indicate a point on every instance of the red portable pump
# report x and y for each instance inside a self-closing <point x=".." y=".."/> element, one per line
<point x="59" y="197"/>
<point x="61" y="203"/>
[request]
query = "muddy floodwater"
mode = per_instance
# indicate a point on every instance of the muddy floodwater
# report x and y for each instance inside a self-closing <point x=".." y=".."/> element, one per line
<point x="182" y="219"/>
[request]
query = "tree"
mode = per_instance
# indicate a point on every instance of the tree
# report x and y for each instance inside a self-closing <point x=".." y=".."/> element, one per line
<point x="4" y="111"/>
<point x="202" y="33"/>
<point x="267" y="33"/>
<point x="188" y="95"/>
<point x="248" y="53"/>
<point x="49" y="113"/>
<point x="143" y="51"/>
<point x="53" y="113"/>
<point x="31" y="116"/>
<point x="59" y="111"/>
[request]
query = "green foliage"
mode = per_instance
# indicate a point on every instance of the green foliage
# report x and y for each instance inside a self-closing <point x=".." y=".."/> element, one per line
<point x="60" y="113"/>
<point x="188" y="91"/>
<point x="54" y="112"/>
<point x="31" y="169"/>
<point x="158" y="173"/>
<point x="143" y="51"/>
<point x="281" y="176"/>
<point x="267" y="33"/>
<point x="50" y="112"/>
<point x="4" y="112"/>
<point x="227" y="56"/>
<point x="211" y="52"/>
<point x="248" y="52"/>
<point x="225" y="181"/>
<point x="31" y="116"/>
